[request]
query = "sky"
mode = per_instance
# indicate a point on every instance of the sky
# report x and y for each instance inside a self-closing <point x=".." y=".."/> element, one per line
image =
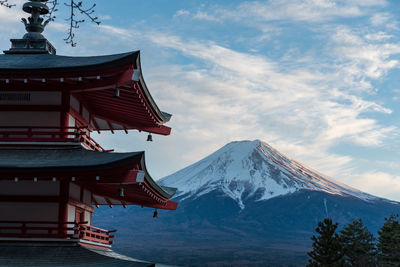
<point x="319" y="80"/>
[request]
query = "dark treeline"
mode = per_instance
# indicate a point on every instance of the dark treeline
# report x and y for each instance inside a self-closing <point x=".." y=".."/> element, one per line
<point x="355" y="245"/>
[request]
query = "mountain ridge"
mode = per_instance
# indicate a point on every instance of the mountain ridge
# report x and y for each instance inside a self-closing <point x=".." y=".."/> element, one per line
<point x="243" y="169"/>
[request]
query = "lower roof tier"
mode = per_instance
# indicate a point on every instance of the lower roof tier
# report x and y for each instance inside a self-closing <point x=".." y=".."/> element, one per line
<point x="63" y="255"/>
<point x="105" y="174"/>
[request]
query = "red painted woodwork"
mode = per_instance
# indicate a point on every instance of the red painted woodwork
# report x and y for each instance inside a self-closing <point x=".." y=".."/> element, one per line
<point x="94" y="234"/>
<point x="85" y="104"/>
<point x="51" y="229"/>
<point x="79" y="215"/>
<point x="49" y="134"/>
<point x="38" y="229"/>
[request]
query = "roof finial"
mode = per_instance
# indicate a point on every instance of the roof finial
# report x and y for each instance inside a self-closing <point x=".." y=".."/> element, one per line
<point x="33" y="41"/>
<point x="35" y="26"/>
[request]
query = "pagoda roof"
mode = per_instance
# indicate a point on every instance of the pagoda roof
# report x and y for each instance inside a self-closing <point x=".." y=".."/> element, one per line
<point x="92" y="80"/>
<point x="56" y="63"/>
<point x="102" y="172"/>
<point x="71" y="158"/>
<point x="62" y="255"/>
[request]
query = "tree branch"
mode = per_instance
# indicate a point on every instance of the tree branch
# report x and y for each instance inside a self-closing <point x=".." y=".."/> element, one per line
<point x="6" y="4"/>
<point x="77" y="6"/>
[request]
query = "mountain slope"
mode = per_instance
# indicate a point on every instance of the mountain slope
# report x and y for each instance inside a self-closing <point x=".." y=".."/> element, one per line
<point x="253" y="169"/>
<point x="244" y="205"/>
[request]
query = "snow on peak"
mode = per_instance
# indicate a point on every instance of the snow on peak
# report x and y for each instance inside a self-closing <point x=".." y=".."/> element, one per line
<point x="252" y="170"/>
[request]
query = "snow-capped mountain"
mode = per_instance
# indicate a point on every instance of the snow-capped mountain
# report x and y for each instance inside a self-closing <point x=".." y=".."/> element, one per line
<point x="244" y="205"/>
<point x="253" y="169"/>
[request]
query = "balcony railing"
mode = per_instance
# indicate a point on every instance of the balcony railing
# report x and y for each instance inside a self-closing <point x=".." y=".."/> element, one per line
<point x="66" y="230"/>
<point x="94" y="234"/>
<point x="49" y="134"/>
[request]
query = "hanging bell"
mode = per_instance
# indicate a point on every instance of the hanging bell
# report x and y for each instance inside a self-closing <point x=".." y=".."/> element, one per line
<point x="155" y="214"/>
<point x="121" y="192"/>
<point x="116" y="93"/>
<point x="149" y="138"/>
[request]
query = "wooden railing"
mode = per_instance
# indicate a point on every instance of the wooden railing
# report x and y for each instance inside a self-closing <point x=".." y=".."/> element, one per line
<point x="49" y="134"/>
<point x="94" y="234"/>
<point x="48" y="229"/>
<point x="38" y="229"/>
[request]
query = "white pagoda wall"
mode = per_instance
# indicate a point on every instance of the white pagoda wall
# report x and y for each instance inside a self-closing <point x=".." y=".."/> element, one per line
<point x="28" y="211"/>
<point x="30" y="118"/>
<point x="29" y="188"/>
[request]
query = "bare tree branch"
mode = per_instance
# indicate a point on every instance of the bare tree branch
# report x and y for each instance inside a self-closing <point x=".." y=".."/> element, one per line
<point x="6" y="4"/>
<point x="53" y="9"/>
<point x="75" y="23"/>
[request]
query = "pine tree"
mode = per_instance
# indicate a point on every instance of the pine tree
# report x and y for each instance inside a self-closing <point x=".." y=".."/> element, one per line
<point x="326" y="247"/>
<point x="389" y="242"/>
<point x="358" y="245"/>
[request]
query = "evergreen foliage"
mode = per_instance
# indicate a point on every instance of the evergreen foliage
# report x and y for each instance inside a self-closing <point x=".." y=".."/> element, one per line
<point x="326" y="246"/>
<point x="358" y="245"/>
<point x="389" y="242"/>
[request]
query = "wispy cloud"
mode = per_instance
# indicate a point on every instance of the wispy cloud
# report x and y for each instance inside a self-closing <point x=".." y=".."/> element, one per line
<point x="381" y="183"/>
<point x="245" y="95"/>
<point x="300" y="10"/>
<point x="181" y="13"/>
<point x="384" y="19"/>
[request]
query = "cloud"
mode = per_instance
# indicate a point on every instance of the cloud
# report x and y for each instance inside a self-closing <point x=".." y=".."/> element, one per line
<point x="268" y="90"/>
<point x="381" y="183"/>
<point x="384" y="19"/>
<point x="300" y="10"/>
<point x="379" y="36"/>
<point x="120" y="32"/>
<point x="201" y="15"/>
<point x="181" y="13"/>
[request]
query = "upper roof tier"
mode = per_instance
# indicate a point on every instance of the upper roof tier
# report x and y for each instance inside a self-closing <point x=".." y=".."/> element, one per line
<point x="12" y="63"/>
<point x="111" y="88"/>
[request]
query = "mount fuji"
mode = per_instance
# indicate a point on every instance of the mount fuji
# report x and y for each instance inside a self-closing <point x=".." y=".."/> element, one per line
<point x="245" y="204"/>
<point x="253" y="170"/>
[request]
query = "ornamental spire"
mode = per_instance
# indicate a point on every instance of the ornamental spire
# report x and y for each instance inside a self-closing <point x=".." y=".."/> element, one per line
<point x="33" y="41"/>
<point x="35" y="26"/>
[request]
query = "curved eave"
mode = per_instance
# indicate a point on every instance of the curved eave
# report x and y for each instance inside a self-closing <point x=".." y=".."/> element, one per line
<point x="159" y="189"/>
<point x="163" y="116"/>
<point x="49" y="64"/>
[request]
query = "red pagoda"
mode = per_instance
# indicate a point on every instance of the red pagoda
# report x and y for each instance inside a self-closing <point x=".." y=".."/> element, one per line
<point x="52" y="173"/>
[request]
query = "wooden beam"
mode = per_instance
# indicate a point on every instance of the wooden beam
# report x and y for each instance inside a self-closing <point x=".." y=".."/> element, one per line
<point x="24" y="198"/>
<point x="30" y="107"/>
